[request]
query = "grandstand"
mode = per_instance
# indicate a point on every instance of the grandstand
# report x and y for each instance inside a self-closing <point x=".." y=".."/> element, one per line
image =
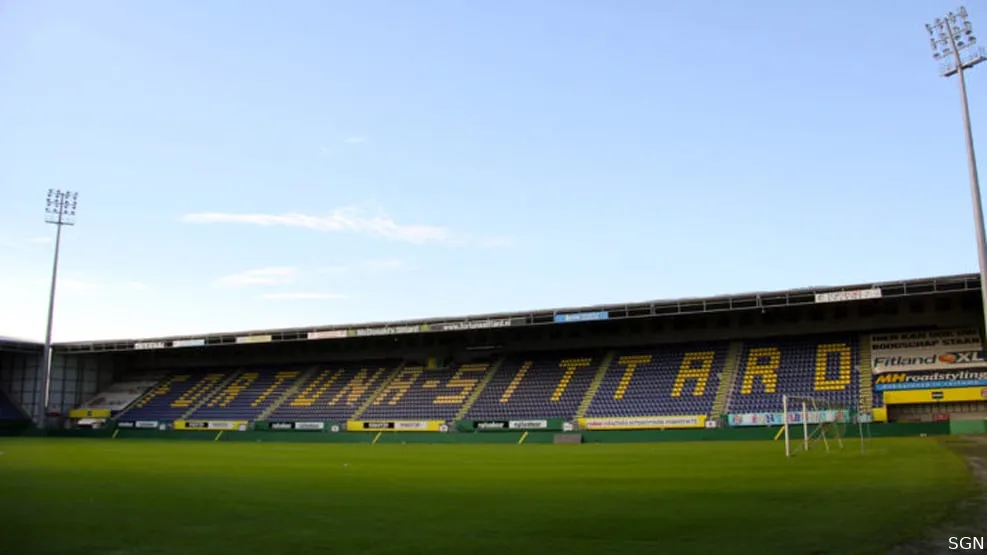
<point x="711" y="362"/>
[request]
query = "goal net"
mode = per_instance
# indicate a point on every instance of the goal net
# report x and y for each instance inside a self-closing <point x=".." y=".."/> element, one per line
<point x="811" y="423"/>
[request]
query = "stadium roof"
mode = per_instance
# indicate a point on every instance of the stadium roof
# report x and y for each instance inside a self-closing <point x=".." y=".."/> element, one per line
<point x="695" y="305"/>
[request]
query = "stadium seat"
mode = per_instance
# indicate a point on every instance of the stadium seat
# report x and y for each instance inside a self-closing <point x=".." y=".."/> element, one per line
<point x="824" y="368"/>
<point x="334" y="392"/>
<point x="176" y="395"/>
<point x="249" y="394"/>
<point x="668" y="381"/>
<point x="543" y="385"/>
<point x="417" y="393"/>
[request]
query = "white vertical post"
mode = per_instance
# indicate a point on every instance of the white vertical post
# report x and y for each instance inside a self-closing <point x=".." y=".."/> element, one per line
<point x="860" y="431"/>
<point x="784" y="417"/>
<point x="805" y="426"/>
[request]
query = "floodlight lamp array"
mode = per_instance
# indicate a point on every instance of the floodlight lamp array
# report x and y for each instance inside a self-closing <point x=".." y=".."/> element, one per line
<point x="953" y="31"/>
<point x="61" y="207"/>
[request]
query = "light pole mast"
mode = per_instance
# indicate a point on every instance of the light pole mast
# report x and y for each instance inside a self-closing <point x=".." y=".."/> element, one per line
<point x="954" y="45"/>
<point x="60" y="211"/>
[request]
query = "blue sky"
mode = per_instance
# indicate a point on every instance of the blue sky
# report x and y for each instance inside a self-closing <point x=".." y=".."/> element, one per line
<point x="246" y="165"/>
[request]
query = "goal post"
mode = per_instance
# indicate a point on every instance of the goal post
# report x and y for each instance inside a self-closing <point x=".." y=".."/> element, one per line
<point x="809" y="421"/>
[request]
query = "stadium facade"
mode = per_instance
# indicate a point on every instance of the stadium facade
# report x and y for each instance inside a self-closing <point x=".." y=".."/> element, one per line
<point x="898" y="351"/>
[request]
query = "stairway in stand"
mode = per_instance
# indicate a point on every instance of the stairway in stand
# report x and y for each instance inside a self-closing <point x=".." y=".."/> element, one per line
<point x="866" y="403"/>
<point x="381" y="388"/>
<point x="594" y="386"/>
<point x="479" y="389"/>
<point x="729" y="377"/>
<point x="289" y="393"/>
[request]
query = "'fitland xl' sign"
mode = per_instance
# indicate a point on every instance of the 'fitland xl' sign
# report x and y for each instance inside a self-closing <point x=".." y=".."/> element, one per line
<point x="954" y="349"/>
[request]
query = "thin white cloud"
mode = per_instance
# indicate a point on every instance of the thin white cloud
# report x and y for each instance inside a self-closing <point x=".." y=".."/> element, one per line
<point x="304" y="296"/>
<point x="40" y="240"/>
<point x="347" y="219"/>
<point x="259" y="276"/>
<point x="355" y="140"/>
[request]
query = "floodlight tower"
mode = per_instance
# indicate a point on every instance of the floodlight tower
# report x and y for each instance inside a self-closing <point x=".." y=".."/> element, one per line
<point x="60" y="211"/>
<point x="955" y="46"/>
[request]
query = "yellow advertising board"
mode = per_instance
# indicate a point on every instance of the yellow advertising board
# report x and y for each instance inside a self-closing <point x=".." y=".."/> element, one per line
<point x="212" y="425"/>
<point x="644" y="422"/>
<point x="396" y="426"/>
<point x="880" y="414"/>
<point x="89" y="413"/>
<point x="947" y="395"/>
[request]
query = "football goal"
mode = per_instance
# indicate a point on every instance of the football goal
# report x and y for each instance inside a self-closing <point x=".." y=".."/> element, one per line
<point x="811" y="423"/>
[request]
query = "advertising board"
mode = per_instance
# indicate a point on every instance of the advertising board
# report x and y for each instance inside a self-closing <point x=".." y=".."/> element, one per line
<point x="915" y="351"/>
<point x="581" y="317"/>
<point x="643" y="423"/>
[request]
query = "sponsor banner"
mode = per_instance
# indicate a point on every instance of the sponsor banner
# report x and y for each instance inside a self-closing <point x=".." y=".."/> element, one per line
<point x="386" y="330"/>
<point x="643" y="423"/>
<point x="954" y="349"/>
<point x="310" y="426"/>
<point x="282" y="425"/>
<point x="528" y="424"/>
<point x="149" y="345"/>
<point x="474" y="325"/>
<point x="210" y="424"/>
<point x="254" y="339"/>
<point x="951" y="395"/>
<point x="125" y="424"/>
<point x="892" y="381"/>
<point x="794" y="417"/>
<point x="329" y="334"/>
<point x="397" y="426"/>
<point x="146" y="424"/>
<point x="188" y="342"/>
<point x="374" y="425"/>
<point x="844" y="296"/>
<point x="490" y="425"/>
<point x="581" y="317"/>
<point x="89" y="413"/>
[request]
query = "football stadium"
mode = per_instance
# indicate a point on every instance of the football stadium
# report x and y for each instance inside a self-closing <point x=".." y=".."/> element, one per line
<point x="658" y="427"/>
<point x="244" y="161"/>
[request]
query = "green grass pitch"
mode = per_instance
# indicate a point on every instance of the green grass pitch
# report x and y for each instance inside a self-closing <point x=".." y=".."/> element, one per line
<point x="147" y="497"/>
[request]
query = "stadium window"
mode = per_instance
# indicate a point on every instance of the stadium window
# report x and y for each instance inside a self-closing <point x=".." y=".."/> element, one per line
<point x="841" y="312"/>
<point x="916" y="307"/>
<point x="890" y="309"/>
